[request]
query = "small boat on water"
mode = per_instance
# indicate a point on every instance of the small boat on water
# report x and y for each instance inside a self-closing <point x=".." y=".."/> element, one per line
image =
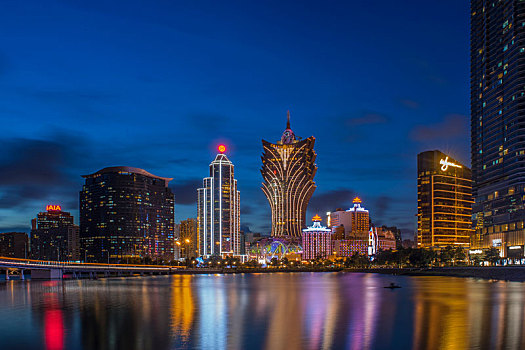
<point x="393" y="286"/>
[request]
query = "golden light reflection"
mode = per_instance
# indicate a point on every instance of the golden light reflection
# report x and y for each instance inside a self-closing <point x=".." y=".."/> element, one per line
<point x="182" y="306"/>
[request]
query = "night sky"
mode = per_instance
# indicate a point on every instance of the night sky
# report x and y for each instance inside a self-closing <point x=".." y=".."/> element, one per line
<point x="158" y="84"/>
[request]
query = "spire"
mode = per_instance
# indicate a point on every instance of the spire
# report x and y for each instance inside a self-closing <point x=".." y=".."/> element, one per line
<point x="288" y="122"/>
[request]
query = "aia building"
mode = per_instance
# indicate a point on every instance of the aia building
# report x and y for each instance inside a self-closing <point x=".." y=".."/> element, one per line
<point x="54" y="235"/>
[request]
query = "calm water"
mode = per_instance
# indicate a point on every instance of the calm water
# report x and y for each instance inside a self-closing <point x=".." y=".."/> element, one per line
<point x="263" y="311"/>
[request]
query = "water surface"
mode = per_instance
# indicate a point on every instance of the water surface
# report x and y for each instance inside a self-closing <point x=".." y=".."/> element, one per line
<point x="263" y="311"/>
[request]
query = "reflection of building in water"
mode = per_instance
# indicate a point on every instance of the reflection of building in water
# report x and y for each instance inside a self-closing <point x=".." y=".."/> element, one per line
<point x="213" y="323"/>
<point x="441" y="314"/>
<point x="285" y="314"/>
<point x="182" y="307"/>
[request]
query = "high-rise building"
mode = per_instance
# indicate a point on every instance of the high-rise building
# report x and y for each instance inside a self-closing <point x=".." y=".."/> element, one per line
<point x="317" y="241"/>
<point x="444" y="201"/>
<point x="188" y="239"/>
<point x="288" y="170"/>
<point x="218" y="210"/>
<point x="497" y="53"/>
<point x="14" y="245"/>
<point x="51" y="235"/>
<point x="126" y="213"/>
<point x="354" y="221"/>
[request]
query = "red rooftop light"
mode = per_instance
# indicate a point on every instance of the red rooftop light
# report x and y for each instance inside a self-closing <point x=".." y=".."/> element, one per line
<point x="222" y="148"/>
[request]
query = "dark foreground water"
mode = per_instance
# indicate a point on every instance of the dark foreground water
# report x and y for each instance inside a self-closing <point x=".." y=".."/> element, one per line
<point x="263" y="311"/>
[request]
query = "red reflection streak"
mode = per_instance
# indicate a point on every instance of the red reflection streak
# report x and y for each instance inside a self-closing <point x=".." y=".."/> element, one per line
<point x="53" y="326"/>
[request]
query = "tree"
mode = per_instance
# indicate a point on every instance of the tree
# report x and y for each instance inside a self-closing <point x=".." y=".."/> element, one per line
<point x="492" y="255"/>
<point x="421" y="257"/>
<point x="446" y="255"/>
<point x="459" y="254"/>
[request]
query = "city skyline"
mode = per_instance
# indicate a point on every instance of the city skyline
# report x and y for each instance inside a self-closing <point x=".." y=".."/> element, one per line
<point x="147" y="112"/>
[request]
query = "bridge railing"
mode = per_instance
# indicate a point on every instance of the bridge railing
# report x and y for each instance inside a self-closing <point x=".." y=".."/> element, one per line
<point x="76" y="265"/>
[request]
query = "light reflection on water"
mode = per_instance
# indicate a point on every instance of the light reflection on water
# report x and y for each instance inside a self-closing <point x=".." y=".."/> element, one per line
<point x="263" y="311"/>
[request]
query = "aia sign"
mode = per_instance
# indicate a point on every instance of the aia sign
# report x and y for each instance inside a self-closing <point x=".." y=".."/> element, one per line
<point x="53" y="208"/>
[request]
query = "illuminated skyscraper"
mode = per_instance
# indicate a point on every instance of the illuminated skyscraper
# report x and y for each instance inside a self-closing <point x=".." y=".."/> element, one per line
<point x="54" y="235"/>
<point x="444" y="201"/>
<point x="288" y="171"/>
<point x="126" y="213"/>
<point x="218" y="213"/>
<point x="356" y="220"/>
<point x="497" y="96"/>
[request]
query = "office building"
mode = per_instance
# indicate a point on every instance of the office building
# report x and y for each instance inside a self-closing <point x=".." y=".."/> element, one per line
<point x="288" y="171"/>
<point x="126" y="213"/>
<point x="444" y="201"/>
<point x="218" y="211"/>
<point x="188" y="239"/>
<point x="317" y="241"/>
<point x="497" y="114"/>
<point x="51" y="235"/>
<point x="14" y="245"/>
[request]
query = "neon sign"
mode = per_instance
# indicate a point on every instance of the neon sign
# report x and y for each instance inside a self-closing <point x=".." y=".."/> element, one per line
<point x="222" y="148"/>
<point x="53" y="208"/>
<point x="445" y="164"/>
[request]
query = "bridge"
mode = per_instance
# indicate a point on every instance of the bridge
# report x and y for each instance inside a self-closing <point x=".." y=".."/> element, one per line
<point x="42" y="269"/>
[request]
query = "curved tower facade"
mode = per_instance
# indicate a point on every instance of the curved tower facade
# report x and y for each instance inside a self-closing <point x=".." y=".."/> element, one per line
<point x="288" y="171"/>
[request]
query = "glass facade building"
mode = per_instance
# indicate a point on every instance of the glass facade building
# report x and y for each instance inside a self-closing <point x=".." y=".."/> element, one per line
<point x="498" y="120"/>
<point x="288" y="171"/>
<point x="444" y="201"/>
<point x="218" y="211"/>
<point x="126" y="213"/>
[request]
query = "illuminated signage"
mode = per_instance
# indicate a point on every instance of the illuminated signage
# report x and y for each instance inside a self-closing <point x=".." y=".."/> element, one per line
<point x="475" y="251"/>
<point x="53" y="208"/>
<point x="445" y="164"/>
<point x="496" y="242"/>
<point x="516" y="247"/>
<point x="222" y="148"/>
<point x="316" y="218"/>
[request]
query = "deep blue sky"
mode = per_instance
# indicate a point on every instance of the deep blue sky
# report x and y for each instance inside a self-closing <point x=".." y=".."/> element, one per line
<point x="157" y="84"/>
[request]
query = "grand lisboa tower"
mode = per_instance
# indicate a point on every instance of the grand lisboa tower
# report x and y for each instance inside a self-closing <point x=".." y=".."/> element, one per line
<point x="288" y="170"/>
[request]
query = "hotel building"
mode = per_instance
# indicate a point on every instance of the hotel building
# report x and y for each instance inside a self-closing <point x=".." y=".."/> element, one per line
<point x="218" y="210"/>
<point x="317" y="241"/>
<point x="355" y="221"/>
<point x="126" y="213"/>
<point x="288" y="171"/>
<point x="497" y="54"/>
<point x="444" y="201"/>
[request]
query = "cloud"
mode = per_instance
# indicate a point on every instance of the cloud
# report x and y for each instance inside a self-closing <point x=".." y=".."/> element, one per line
<point x="185" y="191"/>
<point x="246" y="209"/>
<point x="382" y="204"/>
<point x="453" y="126"/>
<point x="328" y="201"/>
<point x="35" y="172"/>
<point x="246" y="228"/>
<point x="367" y="119"/>
<point x="409" y="103"/>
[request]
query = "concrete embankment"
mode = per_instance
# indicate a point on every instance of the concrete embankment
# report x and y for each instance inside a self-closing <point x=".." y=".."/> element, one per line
<point x="506" y="273"/>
